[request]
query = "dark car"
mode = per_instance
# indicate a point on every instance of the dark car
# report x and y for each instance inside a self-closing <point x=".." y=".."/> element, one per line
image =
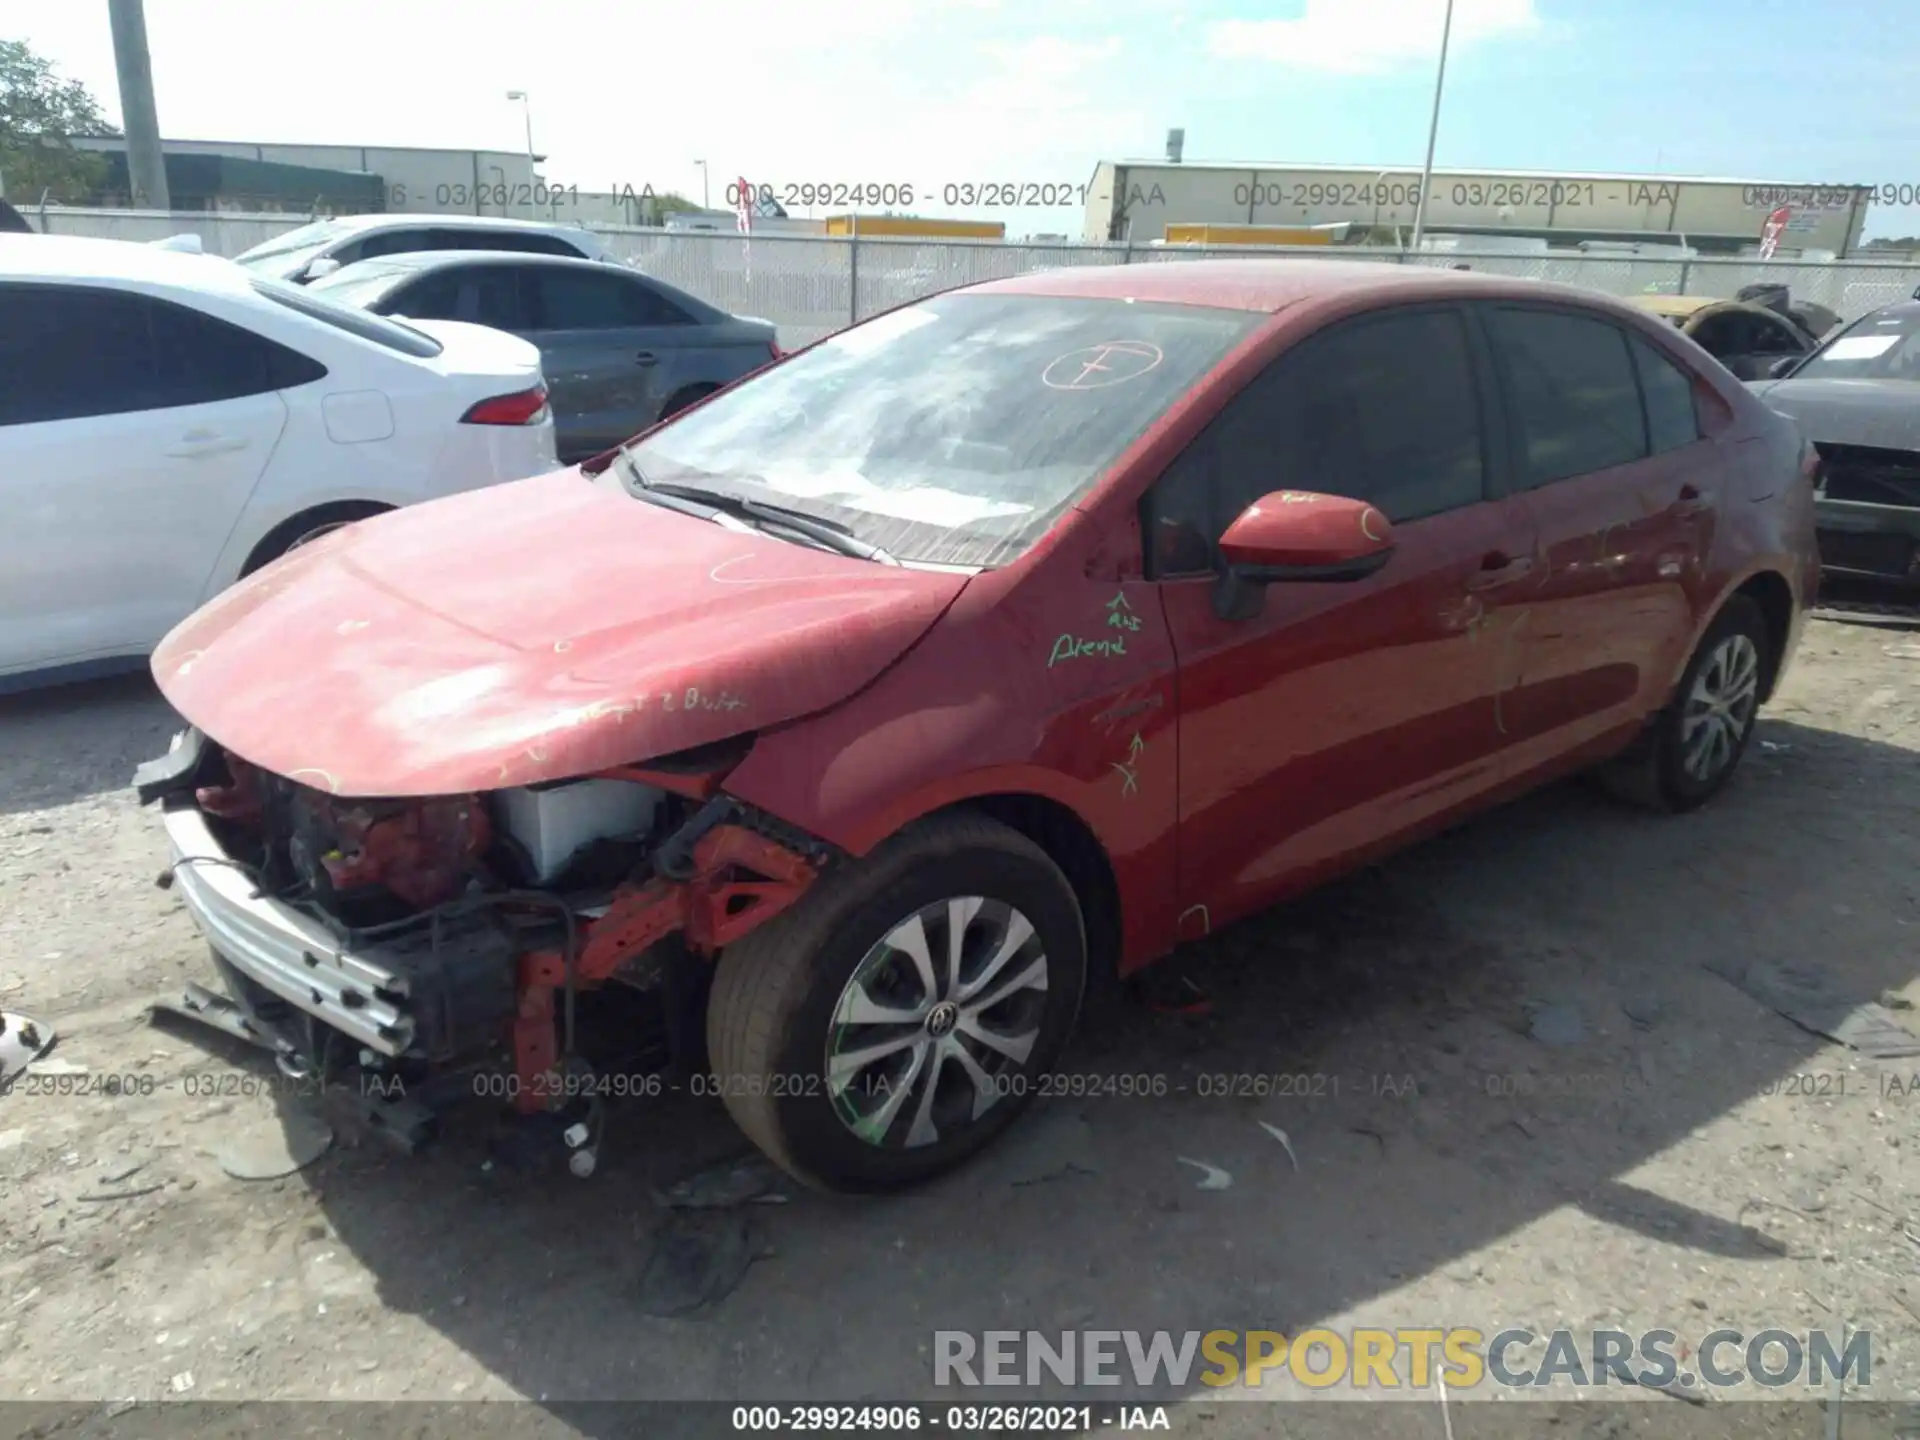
<point x="1858" y="400"/>
<point x="620" y="350"/>
<point x="1751" y="339"/>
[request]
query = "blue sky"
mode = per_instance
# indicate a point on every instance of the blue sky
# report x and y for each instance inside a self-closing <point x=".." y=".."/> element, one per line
<point x="935" y="91"/>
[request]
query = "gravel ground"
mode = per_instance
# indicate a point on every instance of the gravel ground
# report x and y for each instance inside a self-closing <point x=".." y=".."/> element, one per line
<point x="1540" y="1106"/>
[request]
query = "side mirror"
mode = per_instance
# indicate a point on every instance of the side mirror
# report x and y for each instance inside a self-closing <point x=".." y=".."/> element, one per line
<point x="1781" y="367"/>
<point x="324" y="266"/>
<point x="1298" y="535"/>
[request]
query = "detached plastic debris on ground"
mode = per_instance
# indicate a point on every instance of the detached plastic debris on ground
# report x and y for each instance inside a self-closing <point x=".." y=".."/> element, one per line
<point x="22" y="1041"/>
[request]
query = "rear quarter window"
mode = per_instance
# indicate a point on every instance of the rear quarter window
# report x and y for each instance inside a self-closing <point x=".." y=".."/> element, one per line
<point x="1673" y="419"/>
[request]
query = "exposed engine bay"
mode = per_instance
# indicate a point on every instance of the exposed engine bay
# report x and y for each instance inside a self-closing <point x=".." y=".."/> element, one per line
<point x="463" y="929"/>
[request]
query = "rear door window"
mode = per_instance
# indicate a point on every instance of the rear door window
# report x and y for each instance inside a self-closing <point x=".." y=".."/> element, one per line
<point x="70" y="352"/>
<point x="390" y="242"/>
<point x="569" y="299"/>
<point x="1572" y="392"/>
<point x="432" y="297"/>
<point x="496" y="295"/>
<point x="530" y="243"/>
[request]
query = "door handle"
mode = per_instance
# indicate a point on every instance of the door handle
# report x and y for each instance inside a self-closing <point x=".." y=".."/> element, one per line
<point x="646" y="357"/>
<point x="1499" y="568"/>
<point x="204" y="442"/>
<point x="1691" y="501"/>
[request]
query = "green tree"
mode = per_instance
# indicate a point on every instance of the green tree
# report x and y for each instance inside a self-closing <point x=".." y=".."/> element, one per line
<point x="38" y="112"/>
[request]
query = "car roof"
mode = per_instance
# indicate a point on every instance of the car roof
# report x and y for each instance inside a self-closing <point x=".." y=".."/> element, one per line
<point x="1900" y="310"/>
<point x="75" y="257"/>
<point x="387" y="221"/>
<point x="1272" y="284"/>
<point x="423" y="260"/>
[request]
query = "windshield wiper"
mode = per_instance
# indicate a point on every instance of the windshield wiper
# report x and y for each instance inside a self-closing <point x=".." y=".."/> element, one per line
<point x="829" y="533"/>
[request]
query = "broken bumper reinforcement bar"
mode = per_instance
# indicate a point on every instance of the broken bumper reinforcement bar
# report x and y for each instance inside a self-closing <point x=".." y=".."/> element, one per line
<point x="280" y="949"/>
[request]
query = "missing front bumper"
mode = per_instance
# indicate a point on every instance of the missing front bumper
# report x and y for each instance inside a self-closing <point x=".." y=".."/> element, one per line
<point x="431" y="993"/>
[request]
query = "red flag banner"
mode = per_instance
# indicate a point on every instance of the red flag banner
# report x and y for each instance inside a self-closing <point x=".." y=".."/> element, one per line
<point x="1771" y="232"/>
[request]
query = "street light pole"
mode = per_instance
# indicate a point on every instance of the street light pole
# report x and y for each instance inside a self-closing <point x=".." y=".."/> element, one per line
<point x="1433" y="131"/>
<point x="706" y="195"/>
<point x="146" y="166"/>
<point x="526" y="109"/>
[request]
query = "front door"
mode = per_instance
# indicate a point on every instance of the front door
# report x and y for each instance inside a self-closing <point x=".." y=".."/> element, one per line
<point x="1342" y="717"/>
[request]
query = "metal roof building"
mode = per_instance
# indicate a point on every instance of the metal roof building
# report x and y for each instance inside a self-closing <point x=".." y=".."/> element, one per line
<point x="1137" y="199"/>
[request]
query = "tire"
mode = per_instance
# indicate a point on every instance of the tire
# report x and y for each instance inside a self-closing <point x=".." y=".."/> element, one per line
<point x="783" y="997"/>
<point x="293" y="533"/>
<point x="1677" y="766"/>
<point x="681" y="399"/>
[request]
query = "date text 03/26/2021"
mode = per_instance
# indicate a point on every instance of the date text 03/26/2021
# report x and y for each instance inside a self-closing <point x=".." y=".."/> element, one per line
<point x="936" y="1419"/>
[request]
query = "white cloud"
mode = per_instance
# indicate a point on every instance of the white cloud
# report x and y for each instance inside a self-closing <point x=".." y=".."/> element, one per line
<point x="1358" y="37"/>
<point x="1039" y="74"/>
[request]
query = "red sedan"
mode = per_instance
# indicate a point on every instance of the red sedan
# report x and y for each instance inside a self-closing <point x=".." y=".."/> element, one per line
<point x="867" y="713"/>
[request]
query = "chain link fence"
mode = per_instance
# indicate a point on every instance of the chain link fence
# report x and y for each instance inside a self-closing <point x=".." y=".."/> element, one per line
<point x="811" y="286"/>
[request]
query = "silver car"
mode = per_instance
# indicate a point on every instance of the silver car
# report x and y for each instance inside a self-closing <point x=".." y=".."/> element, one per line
<point x="620" y="350"/>
<point x="326" y="246"/>
<point x="1858" y="399"/>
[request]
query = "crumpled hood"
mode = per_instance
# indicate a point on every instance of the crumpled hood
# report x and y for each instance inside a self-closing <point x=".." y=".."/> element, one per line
<point x="530" y="632"/>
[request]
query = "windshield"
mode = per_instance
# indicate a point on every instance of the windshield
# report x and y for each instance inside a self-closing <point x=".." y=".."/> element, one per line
<point x="360" y="285"/>
<point x="283" y="252"/>
<point x="1880" y="346"/>
<point x="954" y="431"/>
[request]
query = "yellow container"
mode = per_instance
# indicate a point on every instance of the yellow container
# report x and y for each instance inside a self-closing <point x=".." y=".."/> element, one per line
<point x="1197" y="234"/>
<point x="914" y="226"/>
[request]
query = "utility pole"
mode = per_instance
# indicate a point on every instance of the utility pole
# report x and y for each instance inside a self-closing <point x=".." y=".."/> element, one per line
<point x="146" y="168"/>
<point x="1433" y="131"/>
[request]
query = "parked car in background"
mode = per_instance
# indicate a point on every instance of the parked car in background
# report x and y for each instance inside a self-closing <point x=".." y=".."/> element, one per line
<point x="327" y="245"/>
<point x="620" y="350"/>
<point x="977" y="653"/>
<point x="170" y="422"/>
<point x="1858" y="400"/>
<point x="1749" y="339"/>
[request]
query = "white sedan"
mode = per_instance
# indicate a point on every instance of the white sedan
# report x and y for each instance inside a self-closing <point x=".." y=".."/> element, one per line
<point x="170" y="422"/>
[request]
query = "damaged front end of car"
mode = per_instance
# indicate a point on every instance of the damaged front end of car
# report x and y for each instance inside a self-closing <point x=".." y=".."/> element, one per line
<point x="429" y="946"/>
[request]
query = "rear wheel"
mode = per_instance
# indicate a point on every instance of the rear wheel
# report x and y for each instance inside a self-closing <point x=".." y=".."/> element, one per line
<point x="1693" y="746"/>
<point x="900" y="1016"/>
<point x="307" y="527"/>
<point x="681" y="399"/>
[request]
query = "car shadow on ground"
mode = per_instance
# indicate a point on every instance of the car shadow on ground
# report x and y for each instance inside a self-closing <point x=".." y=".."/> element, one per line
<point x="1503" y="1023"/>
<point x="67" y="742"/>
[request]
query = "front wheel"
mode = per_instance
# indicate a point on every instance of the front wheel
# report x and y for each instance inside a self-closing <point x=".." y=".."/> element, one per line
<point x="901" y="1015"/>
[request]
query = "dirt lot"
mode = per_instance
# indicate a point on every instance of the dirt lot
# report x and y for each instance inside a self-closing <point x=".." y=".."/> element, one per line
<point x="1650" y="1169"/>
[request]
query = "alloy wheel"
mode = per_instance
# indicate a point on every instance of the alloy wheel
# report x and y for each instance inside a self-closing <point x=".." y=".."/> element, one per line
<point x="935" y="1025"/>
<point x="1720" y="707"/>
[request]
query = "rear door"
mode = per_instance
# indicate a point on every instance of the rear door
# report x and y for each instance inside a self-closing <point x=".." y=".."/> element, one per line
<point x="617" y="344"/>
<point x="1606" y="451"/>
<point x="132" y="431"/>
<point x="1342" y="717"/>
